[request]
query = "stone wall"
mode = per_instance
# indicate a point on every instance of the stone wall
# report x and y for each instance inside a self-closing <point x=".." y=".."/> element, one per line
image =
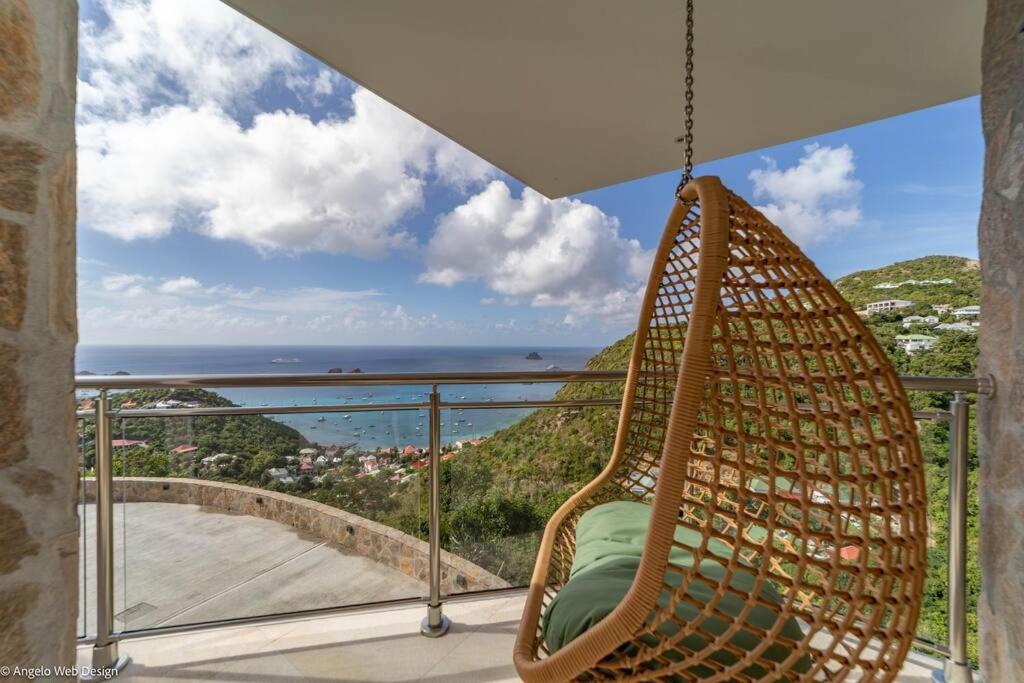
<point x="380" y="543"/>
<point x="38" y="522"/>
<point x="1001" y="340"/>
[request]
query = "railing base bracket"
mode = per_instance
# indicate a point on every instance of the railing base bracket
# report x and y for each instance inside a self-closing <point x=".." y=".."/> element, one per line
<point x="953" y="673"/>
<point x="435" y="631"/>
<point x="106" y="673"/>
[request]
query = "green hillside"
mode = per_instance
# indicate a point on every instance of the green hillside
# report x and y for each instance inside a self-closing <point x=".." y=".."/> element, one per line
<point x="498" y="495"/>
<point x="257" y="442"/>
<point x="859" y="288"/>
<point x="551" y="452"/>
<point x="574" y="443"/>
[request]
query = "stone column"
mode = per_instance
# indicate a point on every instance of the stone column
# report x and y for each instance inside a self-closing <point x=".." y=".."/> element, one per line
<point x="38" y="482"/>
<point x="1001" y="419"/>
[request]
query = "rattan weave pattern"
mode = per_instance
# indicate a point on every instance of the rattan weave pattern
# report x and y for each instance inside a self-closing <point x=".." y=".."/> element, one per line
<point x="760" y="412"/>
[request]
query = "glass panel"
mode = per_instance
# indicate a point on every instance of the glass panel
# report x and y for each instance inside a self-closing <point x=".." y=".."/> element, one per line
<point x="220" y="517"/>
<point x="933" y="624"/>
<point x="85" y="456"/>
<point x="500" y="488"/>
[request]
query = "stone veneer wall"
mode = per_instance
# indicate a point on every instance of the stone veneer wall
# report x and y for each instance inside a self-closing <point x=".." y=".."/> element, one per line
<point x="1001" y="340"/>
<point x="380" y="543"/>
<point x="38" y="519"/>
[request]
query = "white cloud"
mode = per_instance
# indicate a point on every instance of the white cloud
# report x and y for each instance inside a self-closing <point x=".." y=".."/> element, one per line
<point x="187" y="51"/>
<point x="125" y="284"/>
<point x="813" y="200"/>
<point x="180" y="285"/>
<point x="161" y="145"/>
<point x="294" y="301"/>
<point x="182" y="308"/>
<point x="314" y="89"/>
<point x="153" y="323"/>
<point x="285" y="183"/>
<point x="560" y="252"/>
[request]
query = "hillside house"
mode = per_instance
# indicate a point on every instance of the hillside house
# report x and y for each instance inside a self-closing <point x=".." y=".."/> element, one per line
<point x="915" y="342"/>
<point x="888" y="305"/>
<point x="958" y="327"/>
<point x="127" y="443"/>
<point x="281" y="474"/>
<point x="967" y="312"/>
<point x="920" y="320"/>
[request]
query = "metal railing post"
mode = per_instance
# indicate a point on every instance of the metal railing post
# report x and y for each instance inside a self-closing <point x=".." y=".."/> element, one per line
<point x="435" y="624"/>
<point x="956" y="669"/>
<point x="104" y="652"/>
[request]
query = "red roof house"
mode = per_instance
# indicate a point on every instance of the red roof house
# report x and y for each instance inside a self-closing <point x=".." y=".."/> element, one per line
<point x="126" y="443"/>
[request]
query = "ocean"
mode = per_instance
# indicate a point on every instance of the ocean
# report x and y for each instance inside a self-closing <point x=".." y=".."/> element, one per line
<point x="365" y="430"/>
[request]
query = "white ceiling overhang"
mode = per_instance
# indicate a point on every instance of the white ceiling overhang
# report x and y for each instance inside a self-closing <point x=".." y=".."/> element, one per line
<point x="571" y="95"/>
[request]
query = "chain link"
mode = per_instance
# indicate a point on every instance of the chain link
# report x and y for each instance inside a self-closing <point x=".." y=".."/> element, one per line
<point x="688" y="98"/>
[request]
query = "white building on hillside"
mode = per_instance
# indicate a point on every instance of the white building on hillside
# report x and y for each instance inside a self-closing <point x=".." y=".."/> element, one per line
<point x="281" y="474"/>
<point x="888" y="305"/>
<point x="959" y="327"/>
<point x="915" y="342"/>
<point x="920" y="320"/>
<point x="968" y="312"/>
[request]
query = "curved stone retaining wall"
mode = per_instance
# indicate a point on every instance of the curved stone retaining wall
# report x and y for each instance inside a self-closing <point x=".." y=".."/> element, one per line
<point x="380" y="543"/>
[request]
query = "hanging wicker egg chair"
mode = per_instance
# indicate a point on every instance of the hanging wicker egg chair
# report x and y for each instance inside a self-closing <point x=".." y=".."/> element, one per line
<point x="762" y="516"/>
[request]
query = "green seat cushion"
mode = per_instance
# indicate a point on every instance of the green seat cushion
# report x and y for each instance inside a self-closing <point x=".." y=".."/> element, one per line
<point x="609" y="542"/>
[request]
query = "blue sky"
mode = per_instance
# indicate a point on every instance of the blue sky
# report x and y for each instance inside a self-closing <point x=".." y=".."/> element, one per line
<point x="233" y="190"/>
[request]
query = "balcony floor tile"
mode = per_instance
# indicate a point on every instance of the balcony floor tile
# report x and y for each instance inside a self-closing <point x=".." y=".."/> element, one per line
<point x="375" y="645"/>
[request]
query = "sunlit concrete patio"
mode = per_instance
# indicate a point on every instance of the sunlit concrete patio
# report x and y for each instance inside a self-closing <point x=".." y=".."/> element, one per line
<point x="181" y="564"/>
<point x="372" y="645"/>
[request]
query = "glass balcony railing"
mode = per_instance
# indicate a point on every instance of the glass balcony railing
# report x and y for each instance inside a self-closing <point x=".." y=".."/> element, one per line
<point x="351" y="490"/>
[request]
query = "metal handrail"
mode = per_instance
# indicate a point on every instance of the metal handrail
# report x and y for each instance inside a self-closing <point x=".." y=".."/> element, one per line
<point x="298" y="380"/>
<point x="976" y="385"/>
<point x="122" y="413"/>
<point x="105" y="653"/>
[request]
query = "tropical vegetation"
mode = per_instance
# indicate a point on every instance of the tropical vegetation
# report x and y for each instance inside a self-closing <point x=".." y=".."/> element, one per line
<point x="498" y="494"/>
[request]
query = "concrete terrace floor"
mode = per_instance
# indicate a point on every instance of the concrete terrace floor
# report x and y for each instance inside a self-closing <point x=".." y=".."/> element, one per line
<point x="179" y="564"/>
<point x="373" y="645"/>
<point x="188" y="564"/>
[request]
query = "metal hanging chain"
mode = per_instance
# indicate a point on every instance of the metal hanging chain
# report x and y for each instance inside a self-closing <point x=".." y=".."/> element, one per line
<point x="687" y="138"/>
